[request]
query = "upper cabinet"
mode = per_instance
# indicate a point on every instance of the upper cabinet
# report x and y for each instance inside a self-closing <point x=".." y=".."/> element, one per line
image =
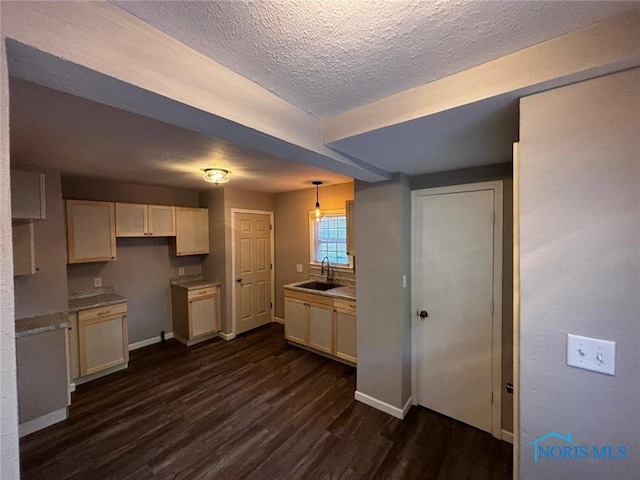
<point x="192" y="232"/>
<point x="351" y="230"/>
<point x="137" y="220"/>
<point x="27" y="195"/>
<point x="91" y="231"/>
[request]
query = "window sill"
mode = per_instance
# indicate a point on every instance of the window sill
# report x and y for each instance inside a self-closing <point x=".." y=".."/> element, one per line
<point x="336" y="268"/>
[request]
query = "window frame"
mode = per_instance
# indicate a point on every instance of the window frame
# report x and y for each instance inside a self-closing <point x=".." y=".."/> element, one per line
<point x="312" y="241"/>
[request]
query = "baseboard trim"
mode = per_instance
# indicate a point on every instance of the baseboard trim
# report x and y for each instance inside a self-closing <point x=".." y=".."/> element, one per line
<point x="103" y="373"/>
<point x="278" y="320"/>
<point x="383" y="406"/>
<point x="507" y="436"/>
<point x="44" y="421"/>
<point x="227" y="336"/>
<point x="149" y="341"/>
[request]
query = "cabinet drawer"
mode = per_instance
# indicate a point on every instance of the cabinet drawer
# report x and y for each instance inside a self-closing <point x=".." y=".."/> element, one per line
<point x="202" y="292"/>
<point x="346" y="305"/>
<point x="309" y="297"/>
<point x="102" y="312"/>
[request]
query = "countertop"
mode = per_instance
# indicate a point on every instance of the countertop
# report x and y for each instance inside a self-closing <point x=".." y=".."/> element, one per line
<point x="193" y="282"/>
<point x="94" y="298"/>
<point x="41" y="323"/>
<point x="347" y="292"/>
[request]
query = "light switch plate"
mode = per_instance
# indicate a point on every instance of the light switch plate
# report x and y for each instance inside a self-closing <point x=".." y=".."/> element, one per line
<point x="591" y="354"/>
<point x="299" y="268"/>
<point x="97" y="282"/>
<point x="181" y="271"/>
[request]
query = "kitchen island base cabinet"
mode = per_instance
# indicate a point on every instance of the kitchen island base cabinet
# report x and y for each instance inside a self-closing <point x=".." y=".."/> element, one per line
<point x="196" y="314"/>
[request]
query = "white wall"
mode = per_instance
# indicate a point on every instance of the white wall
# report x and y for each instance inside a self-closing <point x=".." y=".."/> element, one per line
<point x="580" y="270"/>
<point x="9" y="465"/>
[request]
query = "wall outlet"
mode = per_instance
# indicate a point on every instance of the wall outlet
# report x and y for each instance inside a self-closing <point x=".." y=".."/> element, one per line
<point x="299" y="268"/>
<point x="181" y="271"/>
<point x="97" y="282"/>
<point x="591" y="354"/>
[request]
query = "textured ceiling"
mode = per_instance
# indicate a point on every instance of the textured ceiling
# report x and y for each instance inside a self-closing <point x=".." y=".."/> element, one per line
<point x="330" y="56"/>
<point x="54" y="130"/>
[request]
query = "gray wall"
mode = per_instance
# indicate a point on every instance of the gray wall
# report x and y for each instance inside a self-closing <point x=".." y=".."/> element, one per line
<point x="46" y="291"/>
<point x="382" y="222"/>
<point x="580" y="270"/>
<point x="292" y="233"/>
<point x="9" y="460"/>
<point x="143" y="267"/>
<point x="502" y="171"/>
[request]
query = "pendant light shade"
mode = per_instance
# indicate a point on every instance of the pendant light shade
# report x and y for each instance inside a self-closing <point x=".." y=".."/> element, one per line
<point x="317" y="184"/>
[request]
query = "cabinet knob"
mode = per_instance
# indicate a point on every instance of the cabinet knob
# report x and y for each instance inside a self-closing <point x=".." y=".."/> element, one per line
<point x="239" y="280"/>
<point x="423" y="314"/>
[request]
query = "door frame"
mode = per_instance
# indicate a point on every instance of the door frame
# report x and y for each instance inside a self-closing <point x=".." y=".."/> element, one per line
<point x="233" y="261"/>
<point x="496" y="334"/>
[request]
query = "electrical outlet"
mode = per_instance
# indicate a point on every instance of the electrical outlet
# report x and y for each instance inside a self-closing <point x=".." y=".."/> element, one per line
<point x="591" y="354"/>
<point x="181" y="271"/>
<point x="97" y="282"/>
<point x="299" y="268"/>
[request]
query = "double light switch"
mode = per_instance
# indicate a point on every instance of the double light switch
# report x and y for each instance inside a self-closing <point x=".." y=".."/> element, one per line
<point x="591" y="354"/>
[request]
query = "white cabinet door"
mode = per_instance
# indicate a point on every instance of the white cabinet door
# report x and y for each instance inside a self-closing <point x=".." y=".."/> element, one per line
<point x="346" y="335"/>
<point x="103" y="340"/>
<point x="91" y="231"/>
<point x="296" y="320"/>
<point x="162" y="221"/>
<point x="203" y="316"/>
<point x="321" y="327"/>
<point x="27" y="195"/>
<point x="192" y="232"/>
<point x="24" y="258"/>
<point x="131" y="220"/>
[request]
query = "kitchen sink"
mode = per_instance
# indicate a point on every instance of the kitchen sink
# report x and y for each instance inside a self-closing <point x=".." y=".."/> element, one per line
<point x="321" y="286"/>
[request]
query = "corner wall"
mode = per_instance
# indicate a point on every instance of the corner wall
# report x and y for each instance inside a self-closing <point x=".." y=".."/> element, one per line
<point x="383" y="246"/>
<point x="9" y="454"/>
<point x="580" y="271"/>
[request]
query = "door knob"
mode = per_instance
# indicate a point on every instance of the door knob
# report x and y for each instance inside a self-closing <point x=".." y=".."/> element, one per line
<point x="423" y="314"/>
<point x="239" y="279"/>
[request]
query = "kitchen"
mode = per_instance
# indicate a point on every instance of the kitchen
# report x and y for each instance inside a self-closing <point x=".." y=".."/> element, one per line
<point x="384" y="205"/>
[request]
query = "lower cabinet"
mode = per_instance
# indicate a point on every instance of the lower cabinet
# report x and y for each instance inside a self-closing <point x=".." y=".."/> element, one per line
<point x="103" y="340"/>
<point x="322" y="323"/>
<point x="196" y="313"/>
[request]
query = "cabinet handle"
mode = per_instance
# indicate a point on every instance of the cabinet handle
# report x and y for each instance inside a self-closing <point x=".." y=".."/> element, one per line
<point x="201" y="292"/>
<point x="100" y="314"/>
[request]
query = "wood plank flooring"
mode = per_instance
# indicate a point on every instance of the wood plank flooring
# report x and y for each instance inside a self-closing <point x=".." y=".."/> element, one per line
<point x="253" y="408"/>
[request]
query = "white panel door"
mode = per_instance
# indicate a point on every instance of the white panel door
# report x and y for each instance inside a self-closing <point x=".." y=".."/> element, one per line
<point x="253" y="270"/>
<point x="453" y="283"/>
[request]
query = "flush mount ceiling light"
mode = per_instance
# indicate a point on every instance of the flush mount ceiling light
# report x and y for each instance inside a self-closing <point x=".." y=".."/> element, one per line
<point x="317" y="184"/>
<point x="216" y="175"/>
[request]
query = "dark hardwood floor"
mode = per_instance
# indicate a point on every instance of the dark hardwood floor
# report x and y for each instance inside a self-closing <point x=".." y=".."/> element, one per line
<point x="253" y="408"/>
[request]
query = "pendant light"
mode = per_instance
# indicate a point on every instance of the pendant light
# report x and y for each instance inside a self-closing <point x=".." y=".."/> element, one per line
<point x="317" y="184"/>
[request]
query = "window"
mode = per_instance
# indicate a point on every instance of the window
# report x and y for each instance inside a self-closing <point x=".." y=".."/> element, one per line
<point x="328" y="237"/>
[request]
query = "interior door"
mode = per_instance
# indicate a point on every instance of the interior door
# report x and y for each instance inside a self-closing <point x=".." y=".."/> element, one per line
<point x="253" y="270"/>
<point x="453" y="286"/>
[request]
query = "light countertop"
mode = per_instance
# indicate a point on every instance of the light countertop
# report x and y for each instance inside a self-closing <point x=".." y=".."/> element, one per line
<point x="98" y="297"/>
<point x="347" y="292"/>
<point x="41" y="323"/>
<point x="193" y="282"/>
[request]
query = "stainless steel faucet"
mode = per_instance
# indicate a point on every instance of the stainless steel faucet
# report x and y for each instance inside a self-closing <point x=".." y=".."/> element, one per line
<point x="328" y="270"/>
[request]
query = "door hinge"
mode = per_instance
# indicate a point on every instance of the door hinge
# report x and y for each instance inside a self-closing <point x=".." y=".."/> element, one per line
<point x="270" y="227"/>
<point x="491" y="398"/>
<point x="271" y="266"/>
<point x="271" y="305"/>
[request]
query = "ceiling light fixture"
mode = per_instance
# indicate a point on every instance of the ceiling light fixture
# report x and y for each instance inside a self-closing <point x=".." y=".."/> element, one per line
<point x="216" y="175"/>
<point x="317" y="184"/>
